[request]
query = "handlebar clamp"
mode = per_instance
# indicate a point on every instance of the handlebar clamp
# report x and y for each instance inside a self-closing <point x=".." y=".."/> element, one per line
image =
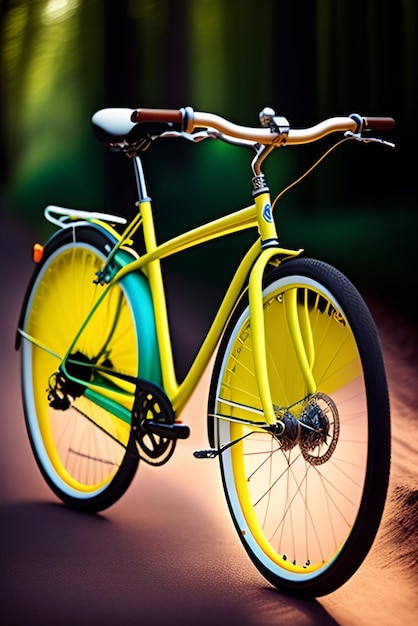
<point x="276" y="123"/>
<point x="359" y="121"/>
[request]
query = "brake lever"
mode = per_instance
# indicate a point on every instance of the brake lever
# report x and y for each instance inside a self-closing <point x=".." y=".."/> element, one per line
<point x="193" y="137"/>
<point x="210" y="133"/>
<point x="359" y="137"/>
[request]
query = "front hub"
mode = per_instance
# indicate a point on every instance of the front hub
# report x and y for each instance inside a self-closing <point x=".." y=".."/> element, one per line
<point x="315" y="429"/>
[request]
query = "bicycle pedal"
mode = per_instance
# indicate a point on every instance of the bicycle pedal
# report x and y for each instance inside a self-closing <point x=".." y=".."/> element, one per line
<point x="211" y="453"/>
<point x="170" y="431"/>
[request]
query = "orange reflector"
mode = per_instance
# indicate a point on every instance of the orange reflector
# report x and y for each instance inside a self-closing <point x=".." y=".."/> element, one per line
<point x="37" y="252"/>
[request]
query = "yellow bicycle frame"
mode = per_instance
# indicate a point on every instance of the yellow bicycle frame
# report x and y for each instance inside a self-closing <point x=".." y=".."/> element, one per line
<point x="253" y="264"/>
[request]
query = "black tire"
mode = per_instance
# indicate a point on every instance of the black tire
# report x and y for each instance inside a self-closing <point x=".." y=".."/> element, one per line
<point x="307" y="503"/>
<point x="87" y="456"/>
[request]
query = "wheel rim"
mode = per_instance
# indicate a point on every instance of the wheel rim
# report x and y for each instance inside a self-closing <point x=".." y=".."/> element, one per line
<point x="295" y="509"/>
<point x="82" y="447"/>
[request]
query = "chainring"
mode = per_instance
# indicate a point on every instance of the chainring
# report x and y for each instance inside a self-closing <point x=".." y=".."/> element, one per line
<point x="154" y="405"/>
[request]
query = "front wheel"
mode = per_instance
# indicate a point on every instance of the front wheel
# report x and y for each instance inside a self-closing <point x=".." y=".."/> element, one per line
<point x="307" y="496"/>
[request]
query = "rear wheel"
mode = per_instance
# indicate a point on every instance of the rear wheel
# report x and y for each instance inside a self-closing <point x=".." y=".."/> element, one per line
<point x="306" y="496"/>
<point x="85" y="452"/>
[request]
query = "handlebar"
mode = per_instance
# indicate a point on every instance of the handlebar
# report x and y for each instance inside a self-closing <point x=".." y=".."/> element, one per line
<point x="187" y="120"/>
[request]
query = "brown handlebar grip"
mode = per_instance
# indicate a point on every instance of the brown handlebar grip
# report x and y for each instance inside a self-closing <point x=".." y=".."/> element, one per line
<point x="379" y="123"/>
<point x="157" y="115"/>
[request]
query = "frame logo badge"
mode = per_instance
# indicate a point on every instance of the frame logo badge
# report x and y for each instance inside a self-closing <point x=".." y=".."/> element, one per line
<point x="267" y="215"/>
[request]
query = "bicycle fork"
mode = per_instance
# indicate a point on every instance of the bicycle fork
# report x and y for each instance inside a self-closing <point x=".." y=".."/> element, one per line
<point x="299" y="326"/>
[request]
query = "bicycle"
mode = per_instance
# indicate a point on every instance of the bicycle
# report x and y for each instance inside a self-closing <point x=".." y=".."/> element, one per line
<point x="298" y="408"/>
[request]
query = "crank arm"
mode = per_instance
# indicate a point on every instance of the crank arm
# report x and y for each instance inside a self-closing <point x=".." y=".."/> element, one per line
<point x="167" y="431"/>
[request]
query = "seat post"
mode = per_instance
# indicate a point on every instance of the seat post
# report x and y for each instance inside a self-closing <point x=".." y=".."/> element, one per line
<point x="140" y="179"/>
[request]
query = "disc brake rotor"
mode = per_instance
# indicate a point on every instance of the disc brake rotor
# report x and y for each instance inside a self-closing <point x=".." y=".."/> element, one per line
<point x="320" y="429"/>
<point x="315" y="428"/>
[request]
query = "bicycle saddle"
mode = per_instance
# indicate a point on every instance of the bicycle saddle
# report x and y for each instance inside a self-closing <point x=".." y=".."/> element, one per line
<point x="115" y="128"/>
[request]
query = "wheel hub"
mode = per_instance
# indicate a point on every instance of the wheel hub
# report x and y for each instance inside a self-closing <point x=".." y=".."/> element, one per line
<point x="315" y="429"/>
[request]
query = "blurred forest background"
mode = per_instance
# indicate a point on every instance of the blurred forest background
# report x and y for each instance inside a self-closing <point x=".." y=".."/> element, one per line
<point x="61" y="60"/>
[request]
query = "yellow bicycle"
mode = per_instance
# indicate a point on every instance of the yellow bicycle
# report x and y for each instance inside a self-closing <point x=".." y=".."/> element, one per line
<point x="298" y="410"/>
